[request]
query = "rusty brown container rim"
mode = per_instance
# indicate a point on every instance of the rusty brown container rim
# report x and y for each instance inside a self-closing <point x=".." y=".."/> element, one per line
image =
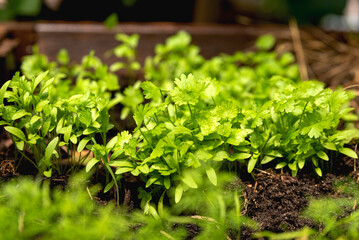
<point x="150" y="27"/>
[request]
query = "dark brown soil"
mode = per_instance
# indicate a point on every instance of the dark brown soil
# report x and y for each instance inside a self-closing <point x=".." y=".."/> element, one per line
<point x="276" y="200"/>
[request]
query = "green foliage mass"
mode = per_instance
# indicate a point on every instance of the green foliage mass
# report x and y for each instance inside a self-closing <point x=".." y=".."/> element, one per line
<point x="236" y="111"/>
<point x="72" y="79"/>
<point x="31" y="210"/>
<point x="41" y="121"/>
<point x="190" y="128"/>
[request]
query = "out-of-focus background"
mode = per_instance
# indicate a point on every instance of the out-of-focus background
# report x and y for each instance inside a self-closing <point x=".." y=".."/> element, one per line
<point x="338" y="15"/>
<point x="323" y="34"/>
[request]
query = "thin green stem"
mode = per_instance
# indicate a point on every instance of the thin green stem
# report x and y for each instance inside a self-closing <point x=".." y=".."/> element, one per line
<point x="167" y="111"/>
<point x="301" y="116"/>
<point x="214" y="101"/>
<point x="58" y="166"/>
<point x="261" y="152"/>
<point x="281" y="123"/>
<point x="192" y="116"/>
<point x="115" y="181"/>
<point x="208" y="199"/>
<point x="176" y="112"/>
<point x="83" y="159"/>
<point x="27" y="158"/>
<point x="114" y="121"/>
<point x="169" y="118"/>
<point x="144" y="136"/>
<point x="162" y="96"/>
<point x="35" y="152"/>
<point x="105" y="162"/>
<point x="156" y="119"/>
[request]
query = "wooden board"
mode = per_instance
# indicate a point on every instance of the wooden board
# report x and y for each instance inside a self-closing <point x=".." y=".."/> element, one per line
<point x="80" y="38"/>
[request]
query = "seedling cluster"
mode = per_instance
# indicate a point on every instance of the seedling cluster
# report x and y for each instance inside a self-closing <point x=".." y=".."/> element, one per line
<point x="194" y="119"/>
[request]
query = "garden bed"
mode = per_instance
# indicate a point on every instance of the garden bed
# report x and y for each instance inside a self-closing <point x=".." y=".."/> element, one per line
<point x="273" y="198"/>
